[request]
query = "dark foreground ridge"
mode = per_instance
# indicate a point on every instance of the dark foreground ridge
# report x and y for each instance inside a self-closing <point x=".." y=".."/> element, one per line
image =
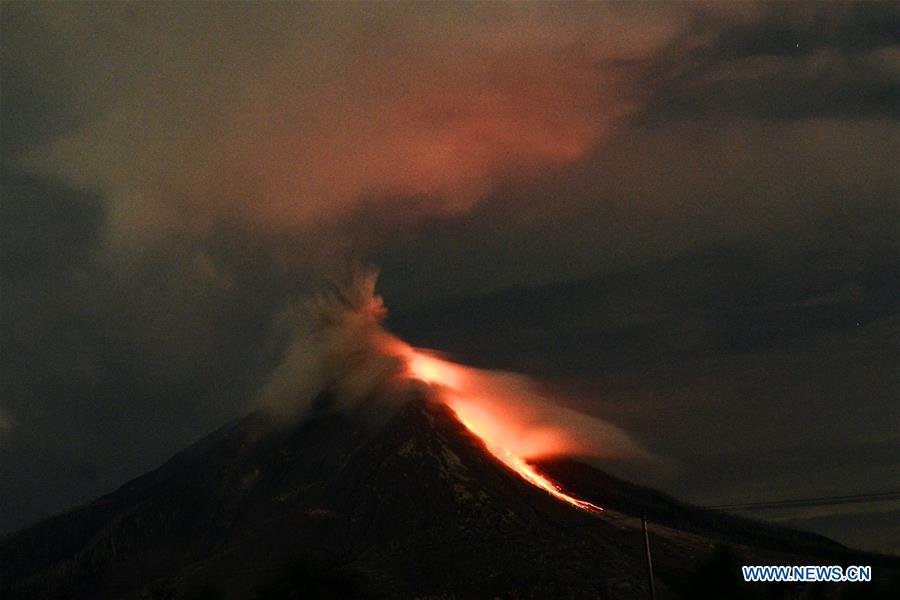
<point x="416" y="507"/>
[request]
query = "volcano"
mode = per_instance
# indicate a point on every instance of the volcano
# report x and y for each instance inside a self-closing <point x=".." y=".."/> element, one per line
<point x="397" y="503"/>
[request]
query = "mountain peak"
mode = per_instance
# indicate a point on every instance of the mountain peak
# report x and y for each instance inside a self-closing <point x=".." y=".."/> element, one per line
<point x="346" y="505"/>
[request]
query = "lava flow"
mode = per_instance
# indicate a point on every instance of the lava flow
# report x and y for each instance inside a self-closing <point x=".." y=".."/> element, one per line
<point x="473" y="394"/>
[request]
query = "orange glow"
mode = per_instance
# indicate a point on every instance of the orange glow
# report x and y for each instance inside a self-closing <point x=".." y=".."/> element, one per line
<point x="431" y="369"/>
<point x="525" y="470"/>
<point x="469" y="392"/>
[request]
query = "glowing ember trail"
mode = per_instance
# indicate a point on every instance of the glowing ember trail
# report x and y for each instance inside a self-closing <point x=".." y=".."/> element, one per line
<point x="465" y="390"/>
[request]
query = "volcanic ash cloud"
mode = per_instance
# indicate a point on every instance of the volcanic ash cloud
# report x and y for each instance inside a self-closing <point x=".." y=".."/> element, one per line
<point x="341" y="346"/>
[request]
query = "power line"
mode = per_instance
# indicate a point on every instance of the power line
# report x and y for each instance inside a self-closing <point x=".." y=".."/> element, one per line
<point x="890" y="494"/>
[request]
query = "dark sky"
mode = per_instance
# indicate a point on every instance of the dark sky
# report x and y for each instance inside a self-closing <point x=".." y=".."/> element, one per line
<point x="682" y="218"/>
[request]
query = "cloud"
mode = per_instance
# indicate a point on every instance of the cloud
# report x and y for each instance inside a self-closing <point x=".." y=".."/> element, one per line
<point x="292" y="118"/>
<point x="296" y="120"/>
<point x="788" y="62"/>
<point x="823" y="83"/>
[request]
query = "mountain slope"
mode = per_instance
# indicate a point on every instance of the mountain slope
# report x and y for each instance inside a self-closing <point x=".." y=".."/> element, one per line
<point x="344" y="505"/>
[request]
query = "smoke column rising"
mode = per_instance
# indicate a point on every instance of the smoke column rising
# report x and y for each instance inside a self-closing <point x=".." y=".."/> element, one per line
<point x="341" y="346"/>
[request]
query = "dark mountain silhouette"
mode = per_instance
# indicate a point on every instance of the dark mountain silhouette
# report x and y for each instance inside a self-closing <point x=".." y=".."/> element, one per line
<point x="408" y="504"/>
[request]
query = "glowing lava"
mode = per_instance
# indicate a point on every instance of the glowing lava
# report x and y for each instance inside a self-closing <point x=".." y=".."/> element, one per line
<point x="469" y="393"/>
<point x="528" y="472"/>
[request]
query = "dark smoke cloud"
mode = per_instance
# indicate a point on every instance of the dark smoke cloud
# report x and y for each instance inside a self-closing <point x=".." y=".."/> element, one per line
<point x="288" y="117"/>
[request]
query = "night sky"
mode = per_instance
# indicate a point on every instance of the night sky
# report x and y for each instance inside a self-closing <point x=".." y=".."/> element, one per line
<point x="682" y="219"/>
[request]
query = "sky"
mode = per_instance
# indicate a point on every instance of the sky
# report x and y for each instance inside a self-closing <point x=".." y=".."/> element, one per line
<point x="682" y="218"/>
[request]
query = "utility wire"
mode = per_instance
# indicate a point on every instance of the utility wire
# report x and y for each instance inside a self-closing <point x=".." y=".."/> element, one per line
<point x="891" y="494"/>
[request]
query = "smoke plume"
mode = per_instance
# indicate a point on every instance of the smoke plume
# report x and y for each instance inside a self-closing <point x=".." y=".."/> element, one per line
<point x="291" y="119"/>
<point x="341" y="348"/>
<point x="338" y="346"/>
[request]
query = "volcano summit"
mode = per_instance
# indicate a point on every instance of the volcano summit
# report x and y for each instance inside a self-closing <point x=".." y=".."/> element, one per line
<point x="416" y="506"/>
<point x="405" y="475"/>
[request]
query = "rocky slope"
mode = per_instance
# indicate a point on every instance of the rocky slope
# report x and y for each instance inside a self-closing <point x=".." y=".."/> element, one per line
<point x="411" y="505"/>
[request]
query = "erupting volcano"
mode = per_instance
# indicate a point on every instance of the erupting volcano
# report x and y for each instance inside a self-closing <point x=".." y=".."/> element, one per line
<point x="455" y="385"/>
<point x="386" y="471"/>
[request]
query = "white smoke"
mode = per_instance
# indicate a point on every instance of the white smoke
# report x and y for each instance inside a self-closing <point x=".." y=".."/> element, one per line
<point x="339" y="347"/>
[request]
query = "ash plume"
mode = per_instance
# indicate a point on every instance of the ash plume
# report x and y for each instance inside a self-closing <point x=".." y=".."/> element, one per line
<point x="333" y="107"/>
<point x="338" y="346"/>
<point x="341" y="347"/>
